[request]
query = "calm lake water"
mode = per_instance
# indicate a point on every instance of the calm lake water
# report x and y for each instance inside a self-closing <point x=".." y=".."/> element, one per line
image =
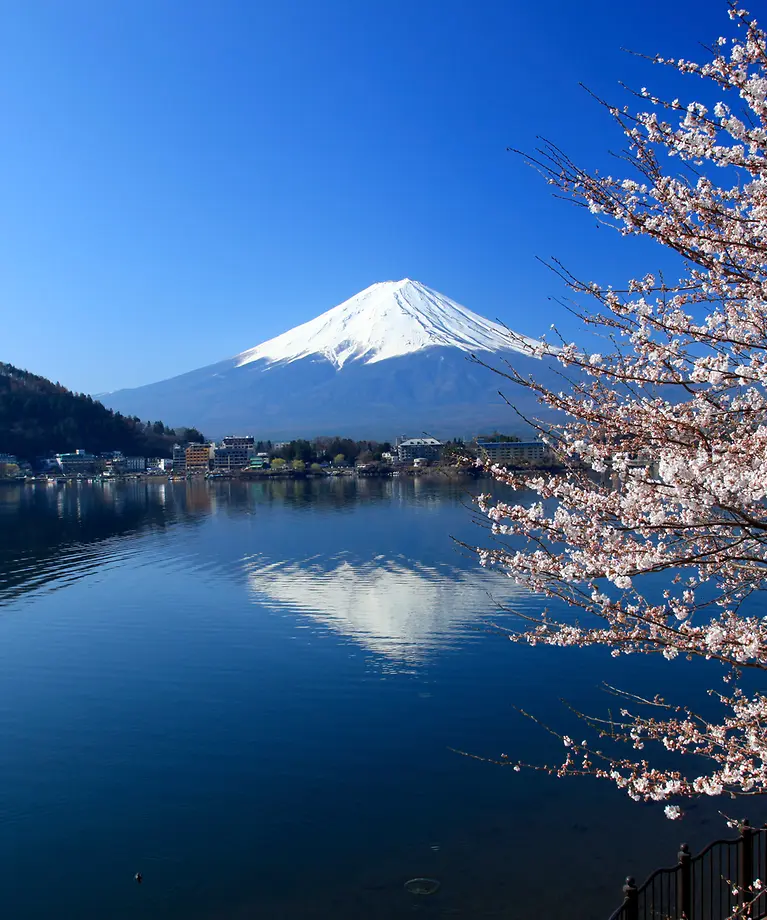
<point x="252" y="693"/>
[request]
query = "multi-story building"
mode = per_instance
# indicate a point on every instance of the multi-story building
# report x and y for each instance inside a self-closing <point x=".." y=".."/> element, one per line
<point x="197" y="457"/>
<point x="419" y="449"/>
<point x="112" y="462"/>
<point x="179" y="459"/>
<point x="246" y="441"/>
<point x="9" y="459"/>
<point x="234" y="453"/>
<point x="116" y="462"/>
<point x="78" y="461"/>
<point x="520" y="453"/>
<point x="229" y="458"/>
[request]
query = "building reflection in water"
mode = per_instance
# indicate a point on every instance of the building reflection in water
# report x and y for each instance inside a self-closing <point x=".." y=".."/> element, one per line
<point x="45" y="528"/>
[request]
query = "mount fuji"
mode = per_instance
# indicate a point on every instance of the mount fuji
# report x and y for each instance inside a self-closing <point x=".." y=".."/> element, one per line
<point x="391" y="359"/>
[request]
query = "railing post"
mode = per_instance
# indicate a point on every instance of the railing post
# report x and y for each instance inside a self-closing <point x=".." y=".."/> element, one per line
<point x="631" y="902"/>
<point x="760" y="866"/>
<point x="746" y="867"/>
<point x="684" y="883"/>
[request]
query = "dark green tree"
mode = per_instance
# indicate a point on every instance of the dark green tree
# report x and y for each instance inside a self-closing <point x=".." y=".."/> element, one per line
<point x="38" y="418"/>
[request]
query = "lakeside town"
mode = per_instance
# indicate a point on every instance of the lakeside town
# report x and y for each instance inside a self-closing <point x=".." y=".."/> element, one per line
<point x="244" y="456"/>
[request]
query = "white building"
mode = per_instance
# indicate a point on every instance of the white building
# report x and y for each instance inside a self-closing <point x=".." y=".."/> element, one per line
<point x="419" y="449"/>
<point x="514" y="452"/>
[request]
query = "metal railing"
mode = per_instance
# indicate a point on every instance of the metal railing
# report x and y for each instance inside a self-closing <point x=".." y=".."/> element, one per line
<point x="714" y="885"/>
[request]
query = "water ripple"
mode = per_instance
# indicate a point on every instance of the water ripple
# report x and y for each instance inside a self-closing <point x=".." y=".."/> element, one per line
<point x="402" y="610"/>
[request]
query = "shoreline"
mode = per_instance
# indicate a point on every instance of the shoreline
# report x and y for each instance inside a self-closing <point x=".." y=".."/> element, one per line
<point x="446" y="472"/>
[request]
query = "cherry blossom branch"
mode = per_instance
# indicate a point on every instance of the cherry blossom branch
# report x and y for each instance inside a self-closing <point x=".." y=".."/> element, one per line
<point x="662" y="439"/>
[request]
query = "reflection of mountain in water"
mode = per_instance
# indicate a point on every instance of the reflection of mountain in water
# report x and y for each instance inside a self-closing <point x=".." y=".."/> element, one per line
<point x="396" y="608"/>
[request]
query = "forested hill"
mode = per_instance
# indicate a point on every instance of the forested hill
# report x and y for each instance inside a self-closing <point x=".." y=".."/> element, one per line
<point x="39" y="418"/>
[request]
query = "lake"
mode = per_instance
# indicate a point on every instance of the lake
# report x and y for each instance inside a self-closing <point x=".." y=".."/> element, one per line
<point x="253" y="695"/>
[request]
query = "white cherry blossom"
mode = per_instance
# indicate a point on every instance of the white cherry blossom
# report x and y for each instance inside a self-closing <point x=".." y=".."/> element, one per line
<point x="664" y="438"/>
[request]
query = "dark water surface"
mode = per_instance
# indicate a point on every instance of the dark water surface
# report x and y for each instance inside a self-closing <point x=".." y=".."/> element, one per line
<point x="249" y="693"/>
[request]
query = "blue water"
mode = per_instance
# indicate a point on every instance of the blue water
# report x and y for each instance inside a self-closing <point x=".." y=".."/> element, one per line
<point x="253" y="693"/>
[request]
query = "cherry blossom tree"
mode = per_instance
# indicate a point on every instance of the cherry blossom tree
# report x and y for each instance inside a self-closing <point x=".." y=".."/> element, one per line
<point x="664" y="439"/>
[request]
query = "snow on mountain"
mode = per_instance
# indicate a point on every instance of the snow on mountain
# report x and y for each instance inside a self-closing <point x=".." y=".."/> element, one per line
<point x="387" y="320"/>
<point x="393" y="358"/>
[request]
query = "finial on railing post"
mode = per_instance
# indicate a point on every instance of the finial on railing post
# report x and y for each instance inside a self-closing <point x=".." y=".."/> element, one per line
<point x="684" y="883"/>
<point x="631" y="903"/>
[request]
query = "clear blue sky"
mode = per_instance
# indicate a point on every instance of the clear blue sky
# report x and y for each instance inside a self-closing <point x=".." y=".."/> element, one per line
<point x="181" y="180"/>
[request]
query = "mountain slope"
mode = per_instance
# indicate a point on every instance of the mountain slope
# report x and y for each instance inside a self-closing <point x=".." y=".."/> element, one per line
<point x="394" y="358"/>
<point x="387" y="320"/>
<point x="38" y="418"/>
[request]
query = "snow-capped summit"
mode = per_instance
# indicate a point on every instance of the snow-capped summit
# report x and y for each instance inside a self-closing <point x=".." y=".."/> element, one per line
<point x="386" y="320"/>
<point x="392" y="359"/>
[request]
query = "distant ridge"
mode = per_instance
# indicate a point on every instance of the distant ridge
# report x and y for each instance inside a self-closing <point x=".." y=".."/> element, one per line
<point x="390" y="359"/>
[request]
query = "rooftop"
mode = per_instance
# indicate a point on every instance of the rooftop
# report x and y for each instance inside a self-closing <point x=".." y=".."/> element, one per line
<point x="511" y="444"/>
